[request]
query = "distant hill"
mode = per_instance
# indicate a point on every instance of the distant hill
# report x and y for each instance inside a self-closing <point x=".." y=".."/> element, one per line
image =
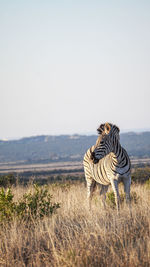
<point x="66" y="147"/>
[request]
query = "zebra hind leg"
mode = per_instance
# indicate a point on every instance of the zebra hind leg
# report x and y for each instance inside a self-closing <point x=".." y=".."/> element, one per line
<point x="91" y="186"/>
<point x="127" y="183"/>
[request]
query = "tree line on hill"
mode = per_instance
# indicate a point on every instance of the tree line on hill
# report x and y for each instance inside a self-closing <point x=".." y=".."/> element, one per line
<point x="66" y="147"/>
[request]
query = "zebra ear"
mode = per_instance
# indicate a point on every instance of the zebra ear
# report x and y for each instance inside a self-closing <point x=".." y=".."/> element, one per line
<point x="107" y="128"/>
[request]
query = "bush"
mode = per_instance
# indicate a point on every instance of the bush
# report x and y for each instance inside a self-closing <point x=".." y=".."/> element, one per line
<point x="34" y="205"/>
<point x="110" y="198"/>
<point x="141" y="175"/>
<point x="7" y="206"/>
<point x="7" y="180"/>
<point x="37" y="204"/>
<point x="147" y="184"/>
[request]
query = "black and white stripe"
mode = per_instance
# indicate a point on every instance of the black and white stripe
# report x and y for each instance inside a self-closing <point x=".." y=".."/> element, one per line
<point x="107" y="163"/>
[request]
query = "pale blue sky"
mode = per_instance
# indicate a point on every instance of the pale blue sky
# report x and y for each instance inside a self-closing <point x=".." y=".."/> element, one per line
<point x="67" y="66"/>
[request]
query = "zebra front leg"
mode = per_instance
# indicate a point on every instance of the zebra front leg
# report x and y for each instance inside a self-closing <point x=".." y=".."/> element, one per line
<point x="91" y="186"/>
<point x="114" y="184"/>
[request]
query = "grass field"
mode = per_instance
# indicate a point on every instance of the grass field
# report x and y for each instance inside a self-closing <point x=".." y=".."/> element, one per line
<point x="75" y="236"/>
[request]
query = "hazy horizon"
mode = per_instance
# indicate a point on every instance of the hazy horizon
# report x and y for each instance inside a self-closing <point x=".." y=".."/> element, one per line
<point x="79" y="133"/>
<point x="68" y="66"/>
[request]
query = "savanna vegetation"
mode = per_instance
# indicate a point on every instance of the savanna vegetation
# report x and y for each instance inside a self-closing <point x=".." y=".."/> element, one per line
<point x="50" y="225"/>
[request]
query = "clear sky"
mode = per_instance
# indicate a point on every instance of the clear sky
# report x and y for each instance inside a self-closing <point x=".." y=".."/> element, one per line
<point x="66" y="66"/>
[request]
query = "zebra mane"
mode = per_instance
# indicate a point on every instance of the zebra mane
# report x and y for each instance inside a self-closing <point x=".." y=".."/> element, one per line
<point x="99" y="139"/>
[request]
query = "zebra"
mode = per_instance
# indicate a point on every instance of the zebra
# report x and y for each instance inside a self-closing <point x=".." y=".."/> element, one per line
<point x="107" y="162"/>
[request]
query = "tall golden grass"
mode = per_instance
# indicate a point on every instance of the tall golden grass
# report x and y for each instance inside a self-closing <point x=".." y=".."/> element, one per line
<point x="75" y="236"/>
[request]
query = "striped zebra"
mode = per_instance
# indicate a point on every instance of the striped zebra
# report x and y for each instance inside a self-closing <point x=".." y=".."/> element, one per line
<point x="107" y="162"/>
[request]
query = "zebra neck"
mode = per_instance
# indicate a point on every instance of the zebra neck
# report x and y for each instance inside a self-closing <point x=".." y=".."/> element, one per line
<point x="119" y="157"/>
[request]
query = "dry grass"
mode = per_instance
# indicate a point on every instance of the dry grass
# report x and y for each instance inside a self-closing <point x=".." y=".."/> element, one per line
<point x="76" y="237"/>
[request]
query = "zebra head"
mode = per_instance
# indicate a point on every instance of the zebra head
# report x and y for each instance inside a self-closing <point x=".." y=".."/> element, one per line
<point x="109" y="139"/>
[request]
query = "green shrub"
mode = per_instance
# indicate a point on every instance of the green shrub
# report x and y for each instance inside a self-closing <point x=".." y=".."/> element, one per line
<point x="34" y="205"/>
<point x="141" y="175"/>
<point x="7" y="206"/>
<point x="110" y="198"/>
<point x="37" y="204"/>
<point x="7" y="180"/>
<point x="147" y="184"/>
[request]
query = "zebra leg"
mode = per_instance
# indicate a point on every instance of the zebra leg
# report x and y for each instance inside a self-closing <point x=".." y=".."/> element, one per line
<point x="114" y="184"/>
<point x="127" y="183"/>
<point x="103" y="191"/>
<point x="91" y="186"/>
